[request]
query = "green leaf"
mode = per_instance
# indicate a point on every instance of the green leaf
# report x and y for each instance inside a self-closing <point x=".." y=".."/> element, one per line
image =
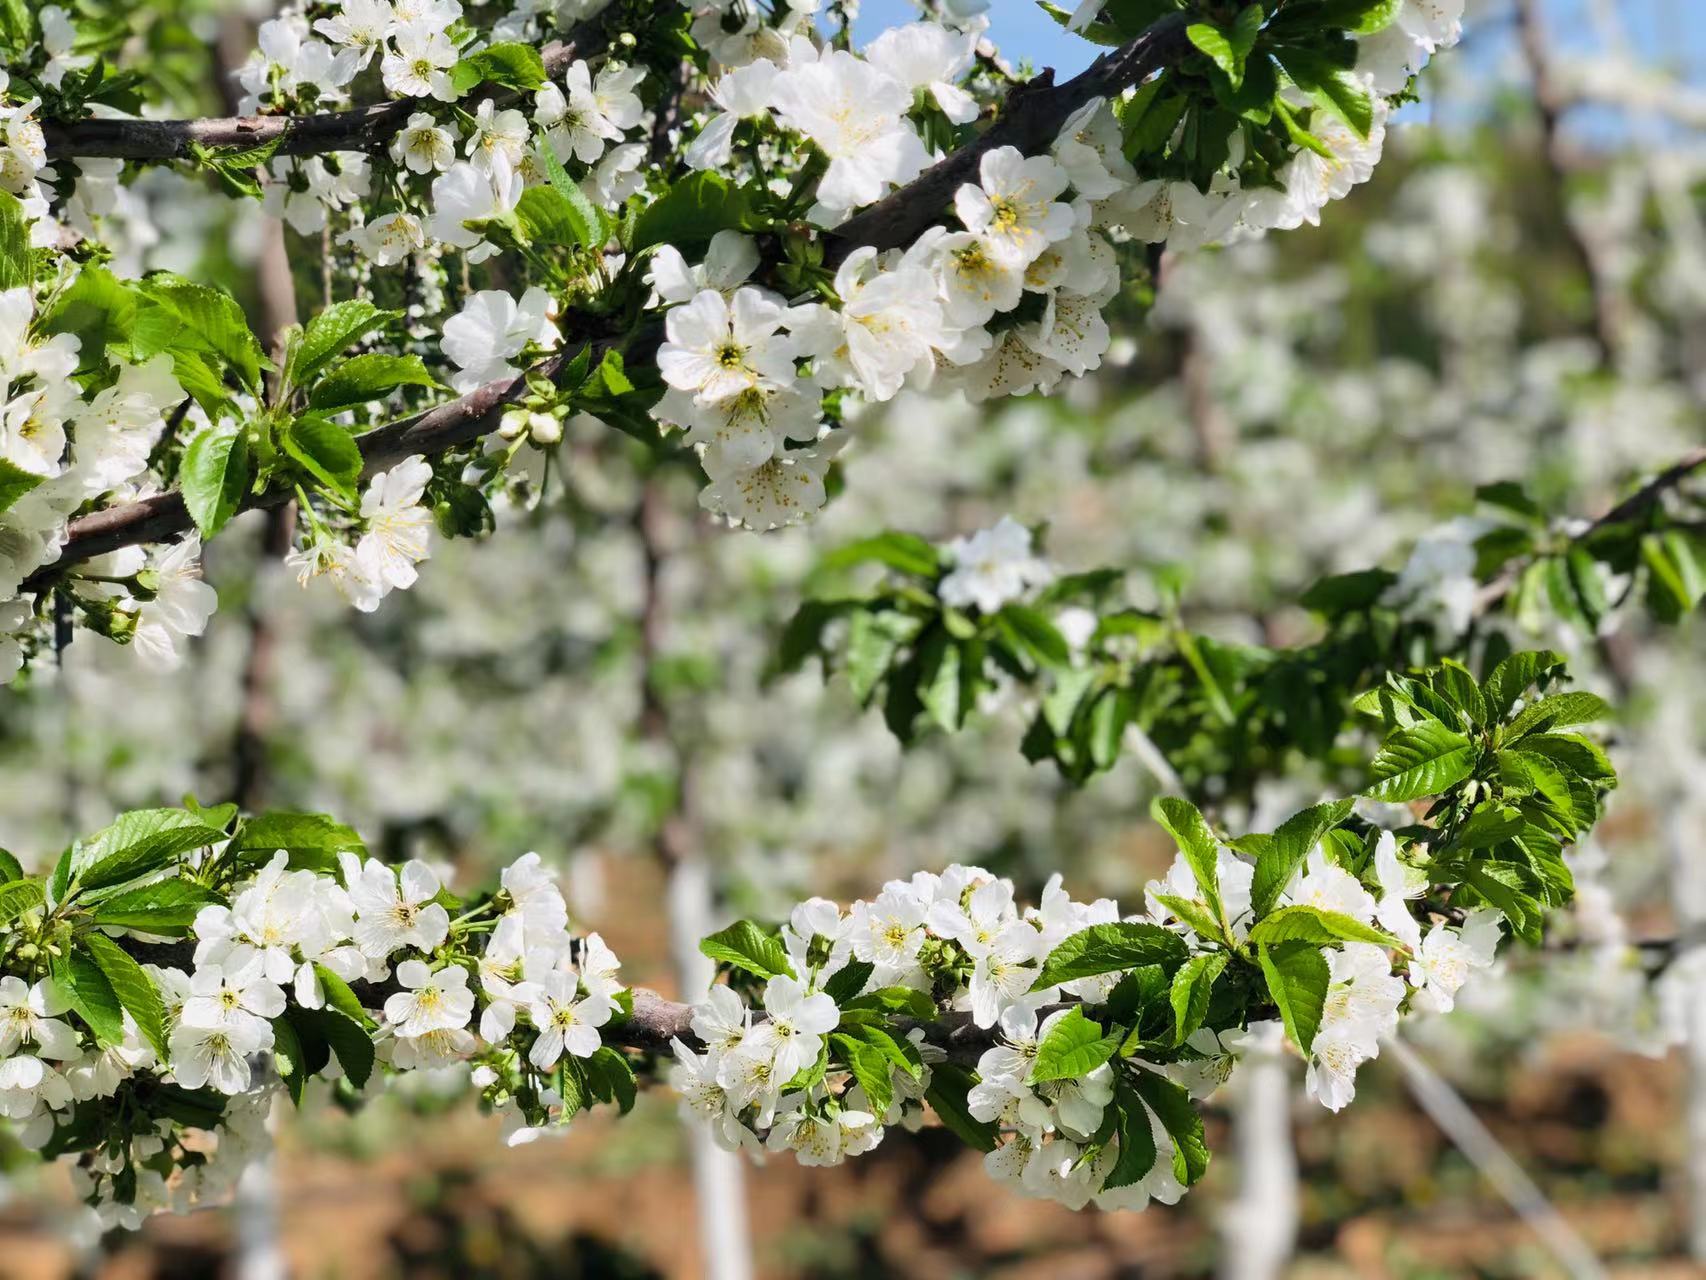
<point x="1513" y="677"/>
<point x="1095" y="32"/>
<point x="1422" y="760"/>
<point x="288" y="1058"/>
<point x="746" y="946"/>
<point x="509" y="63"/>
<point x="1109" y="948"/>
<point x="1558" y="712"/>
<point x="1317" y="926"/>
<point x="1149" y="121"/>
<point x="848" y="981"/>
<point x="179" y="314"/>
<point x="1228" y="48"/>
<point x="234" y="167"/>
<point x="1192" y="987"/>
<point x="1537" y="777"/>
<point x="325" y="451"/>
<point x="1488" y="826"/>
<point x="902" y="1054"/>
<point x="1676" y="580"/>
<point x="19" y="896"/>
<point x="312" y="840"/>
<point x="1453" y="682"/>
<point x="330" y="333"/>
<point x="168" y="907"/>
<point x="10" y="867"/>
<point x="17" y="266"/>
<point x="571" y="1084"/>
<point x="1185" y="823"/>
<point x="1582" y="587"/>
<point x="1192" y="913"/>
<point x="347" y="1037"/>
<point x="133" y="988"/>
<point x="692" y="211"/>
<point x="904" y="1000"/>
<point x="591" y="231"/>
<point x="99" y="310"/>
<point x="138" y="842"/>
<point x="341" y="999"/>
<point x="903" y="552"/>
<point x="1172" y="1105"/>
<point x="611" y="1077"/>
<point x="548" y="219"/>
<point x="1357" y="17"/>
<point x="1298" y="978"/>
<point x="15" y="482"/>
<point x="939" y="678"/>
<point x="91" y="995"/>
<point x="873" y="639"/>
<point x="869" y="1067"/>
<point x="1500" y="890"/>
<point x="1105" y="726"/>
<point x="1035" y="635"/>
<point x="1136" y="1138"/>
<point x="1073" y="1047"/>
<point x="366" y="378"/>
<point x="1581" y="756"/>
<point x="949" y="1084"/>
<point x="1348" y="592"/>
<point x="1336" y="90"/>
<point x="1280" y="859"/>
<point x="195" y="372"/>
<point x="614" y="374"/>
<point x="215" y="477"/>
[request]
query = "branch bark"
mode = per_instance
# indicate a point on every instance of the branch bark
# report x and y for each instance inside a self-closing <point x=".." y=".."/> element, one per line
<point x="1030" y="119"/>
<point x="356" y="129"/>
<point x="656" y="1021"/>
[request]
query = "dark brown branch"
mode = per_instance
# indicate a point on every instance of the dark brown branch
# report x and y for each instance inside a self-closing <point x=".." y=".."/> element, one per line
<point x="656" y="1020"/>
<point x="1031" y="119"/>
<point x="357" y="129"/>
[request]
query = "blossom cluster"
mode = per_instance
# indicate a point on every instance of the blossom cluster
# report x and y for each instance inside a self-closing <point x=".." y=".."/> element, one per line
<point x="758" y="1077"/>
<point x="1004" y="300"/>
<point x="494" y="147"/>
<point x="60" y="448"/>
<point x="395" y="527"/>
<point x="504" y="989"/>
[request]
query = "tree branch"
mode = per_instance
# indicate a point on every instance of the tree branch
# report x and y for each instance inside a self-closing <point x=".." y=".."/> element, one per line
<point x="357" y="129"/>
<point x="1634" y="505"/>
<point x="656" y="1020"/>
<point x="1030" y="119"/>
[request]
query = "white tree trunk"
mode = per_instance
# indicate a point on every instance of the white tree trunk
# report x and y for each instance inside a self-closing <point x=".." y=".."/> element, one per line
<point x="719" y="1177"/>
<point x="1688" y="892"/>
<point x="1258" y="1226"/>
<point x="259" y="1256"/>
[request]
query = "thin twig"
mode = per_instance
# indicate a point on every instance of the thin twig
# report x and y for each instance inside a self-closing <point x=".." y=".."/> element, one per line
<point x="1455" y="1119"/>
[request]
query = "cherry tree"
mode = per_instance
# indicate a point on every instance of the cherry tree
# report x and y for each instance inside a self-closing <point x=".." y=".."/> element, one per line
<point x="721" y="231"/>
